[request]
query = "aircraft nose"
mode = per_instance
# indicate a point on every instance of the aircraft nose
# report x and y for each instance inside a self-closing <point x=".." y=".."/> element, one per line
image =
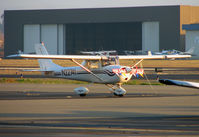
<point x="123" y="78"/>
<point x="123" y="73"/>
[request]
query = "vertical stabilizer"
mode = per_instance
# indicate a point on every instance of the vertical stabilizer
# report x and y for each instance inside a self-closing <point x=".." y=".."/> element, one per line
<point x="45" y="64"/>
<point x="191" y="50"/>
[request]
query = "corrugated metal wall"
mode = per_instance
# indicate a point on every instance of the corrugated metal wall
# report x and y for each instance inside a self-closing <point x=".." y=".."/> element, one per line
<point x="103" y="36"/>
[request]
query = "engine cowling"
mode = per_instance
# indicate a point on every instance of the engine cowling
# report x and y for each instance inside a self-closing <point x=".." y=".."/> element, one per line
<point x="82" y="91"/>
<point x="119" y="92"/>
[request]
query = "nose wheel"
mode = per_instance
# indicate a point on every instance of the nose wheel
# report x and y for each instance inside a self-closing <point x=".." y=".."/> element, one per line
<point x="121" y="95"/>
<point x="117" y="90"/>
<point x="82" y="95"/>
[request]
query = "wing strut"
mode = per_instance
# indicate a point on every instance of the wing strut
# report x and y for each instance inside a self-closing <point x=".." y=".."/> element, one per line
<point x="86" y="69"/>
<point x="137" y="63"/>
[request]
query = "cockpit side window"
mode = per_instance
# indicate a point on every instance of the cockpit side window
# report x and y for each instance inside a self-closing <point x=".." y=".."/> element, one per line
<point x="109" y="61"/>
<point x="93" y="64"/>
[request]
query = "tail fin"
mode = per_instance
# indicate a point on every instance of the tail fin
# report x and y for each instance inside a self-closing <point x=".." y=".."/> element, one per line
<point x="191" y="50"/>
<point x="149" y="53"/>
<point x="45" y="64"/>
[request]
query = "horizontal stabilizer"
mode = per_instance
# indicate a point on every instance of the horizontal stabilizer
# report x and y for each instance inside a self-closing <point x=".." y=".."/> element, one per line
<point x="35" y="70"/>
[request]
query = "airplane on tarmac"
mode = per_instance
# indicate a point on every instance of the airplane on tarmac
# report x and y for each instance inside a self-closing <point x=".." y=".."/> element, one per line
<point x="176" y="52"/>
<point x="103" y="69"/>
<point x="105" y="53"/>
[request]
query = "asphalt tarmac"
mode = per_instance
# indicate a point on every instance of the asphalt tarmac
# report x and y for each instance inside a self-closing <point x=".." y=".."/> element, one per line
<point x="36" y="110"/>
<point x="149" y="76"/>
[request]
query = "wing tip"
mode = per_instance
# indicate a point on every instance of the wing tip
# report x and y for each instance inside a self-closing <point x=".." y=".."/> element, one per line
<point x="13" y="56"/>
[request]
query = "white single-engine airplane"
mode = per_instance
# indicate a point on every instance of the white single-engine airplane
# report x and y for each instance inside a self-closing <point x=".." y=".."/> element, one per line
<point x="94" y="68"/>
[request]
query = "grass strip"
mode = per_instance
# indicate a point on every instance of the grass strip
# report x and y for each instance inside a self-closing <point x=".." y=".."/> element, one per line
<point x="65" y="81"/>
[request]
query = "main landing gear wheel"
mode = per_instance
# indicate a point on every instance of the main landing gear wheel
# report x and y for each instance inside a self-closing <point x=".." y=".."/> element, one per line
<point x="81" y="91"/>
<point x="82" y="95"/>
<point x="121" y="95"/>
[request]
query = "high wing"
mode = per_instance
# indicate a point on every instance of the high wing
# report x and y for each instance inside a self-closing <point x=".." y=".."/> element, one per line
<point x="91" y="57"/>
<point x="66" y="57"/>
<point x="153" y="56"/>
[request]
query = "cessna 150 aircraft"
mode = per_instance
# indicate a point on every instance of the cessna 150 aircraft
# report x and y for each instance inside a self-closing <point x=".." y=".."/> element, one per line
<point x="104" y="69"/>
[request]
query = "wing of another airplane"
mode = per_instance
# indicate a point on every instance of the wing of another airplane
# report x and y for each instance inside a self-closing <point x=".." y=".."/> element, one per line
<point x="180" y="83"/>
<point x="92" y="57"/>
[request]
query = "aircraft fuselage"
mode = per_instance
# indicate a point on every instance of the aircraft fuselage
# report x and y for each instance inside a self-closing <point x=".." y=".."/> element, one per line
<point x="111" y="74"/>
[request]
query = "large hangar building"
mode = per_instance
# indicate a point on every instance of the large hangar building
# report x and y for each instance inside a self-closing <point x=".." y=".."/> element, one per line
<point x="68" y="31"/>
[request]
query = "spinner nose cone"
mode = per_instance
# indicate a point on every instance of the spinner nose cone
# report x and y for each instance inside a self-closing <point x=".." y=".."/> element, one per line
<point x="125" y="77"/>
<point x="128" y="69"/>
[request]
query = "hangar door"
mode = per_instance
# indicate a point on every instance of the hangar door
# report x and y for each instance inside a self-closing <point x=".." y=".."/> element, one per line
<point x="150" y="36"/>
<point x="51" y="34"/>
<point x="49" y="37"/>
<point x="192" y="42"/>
<point x="31" y="37"/>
